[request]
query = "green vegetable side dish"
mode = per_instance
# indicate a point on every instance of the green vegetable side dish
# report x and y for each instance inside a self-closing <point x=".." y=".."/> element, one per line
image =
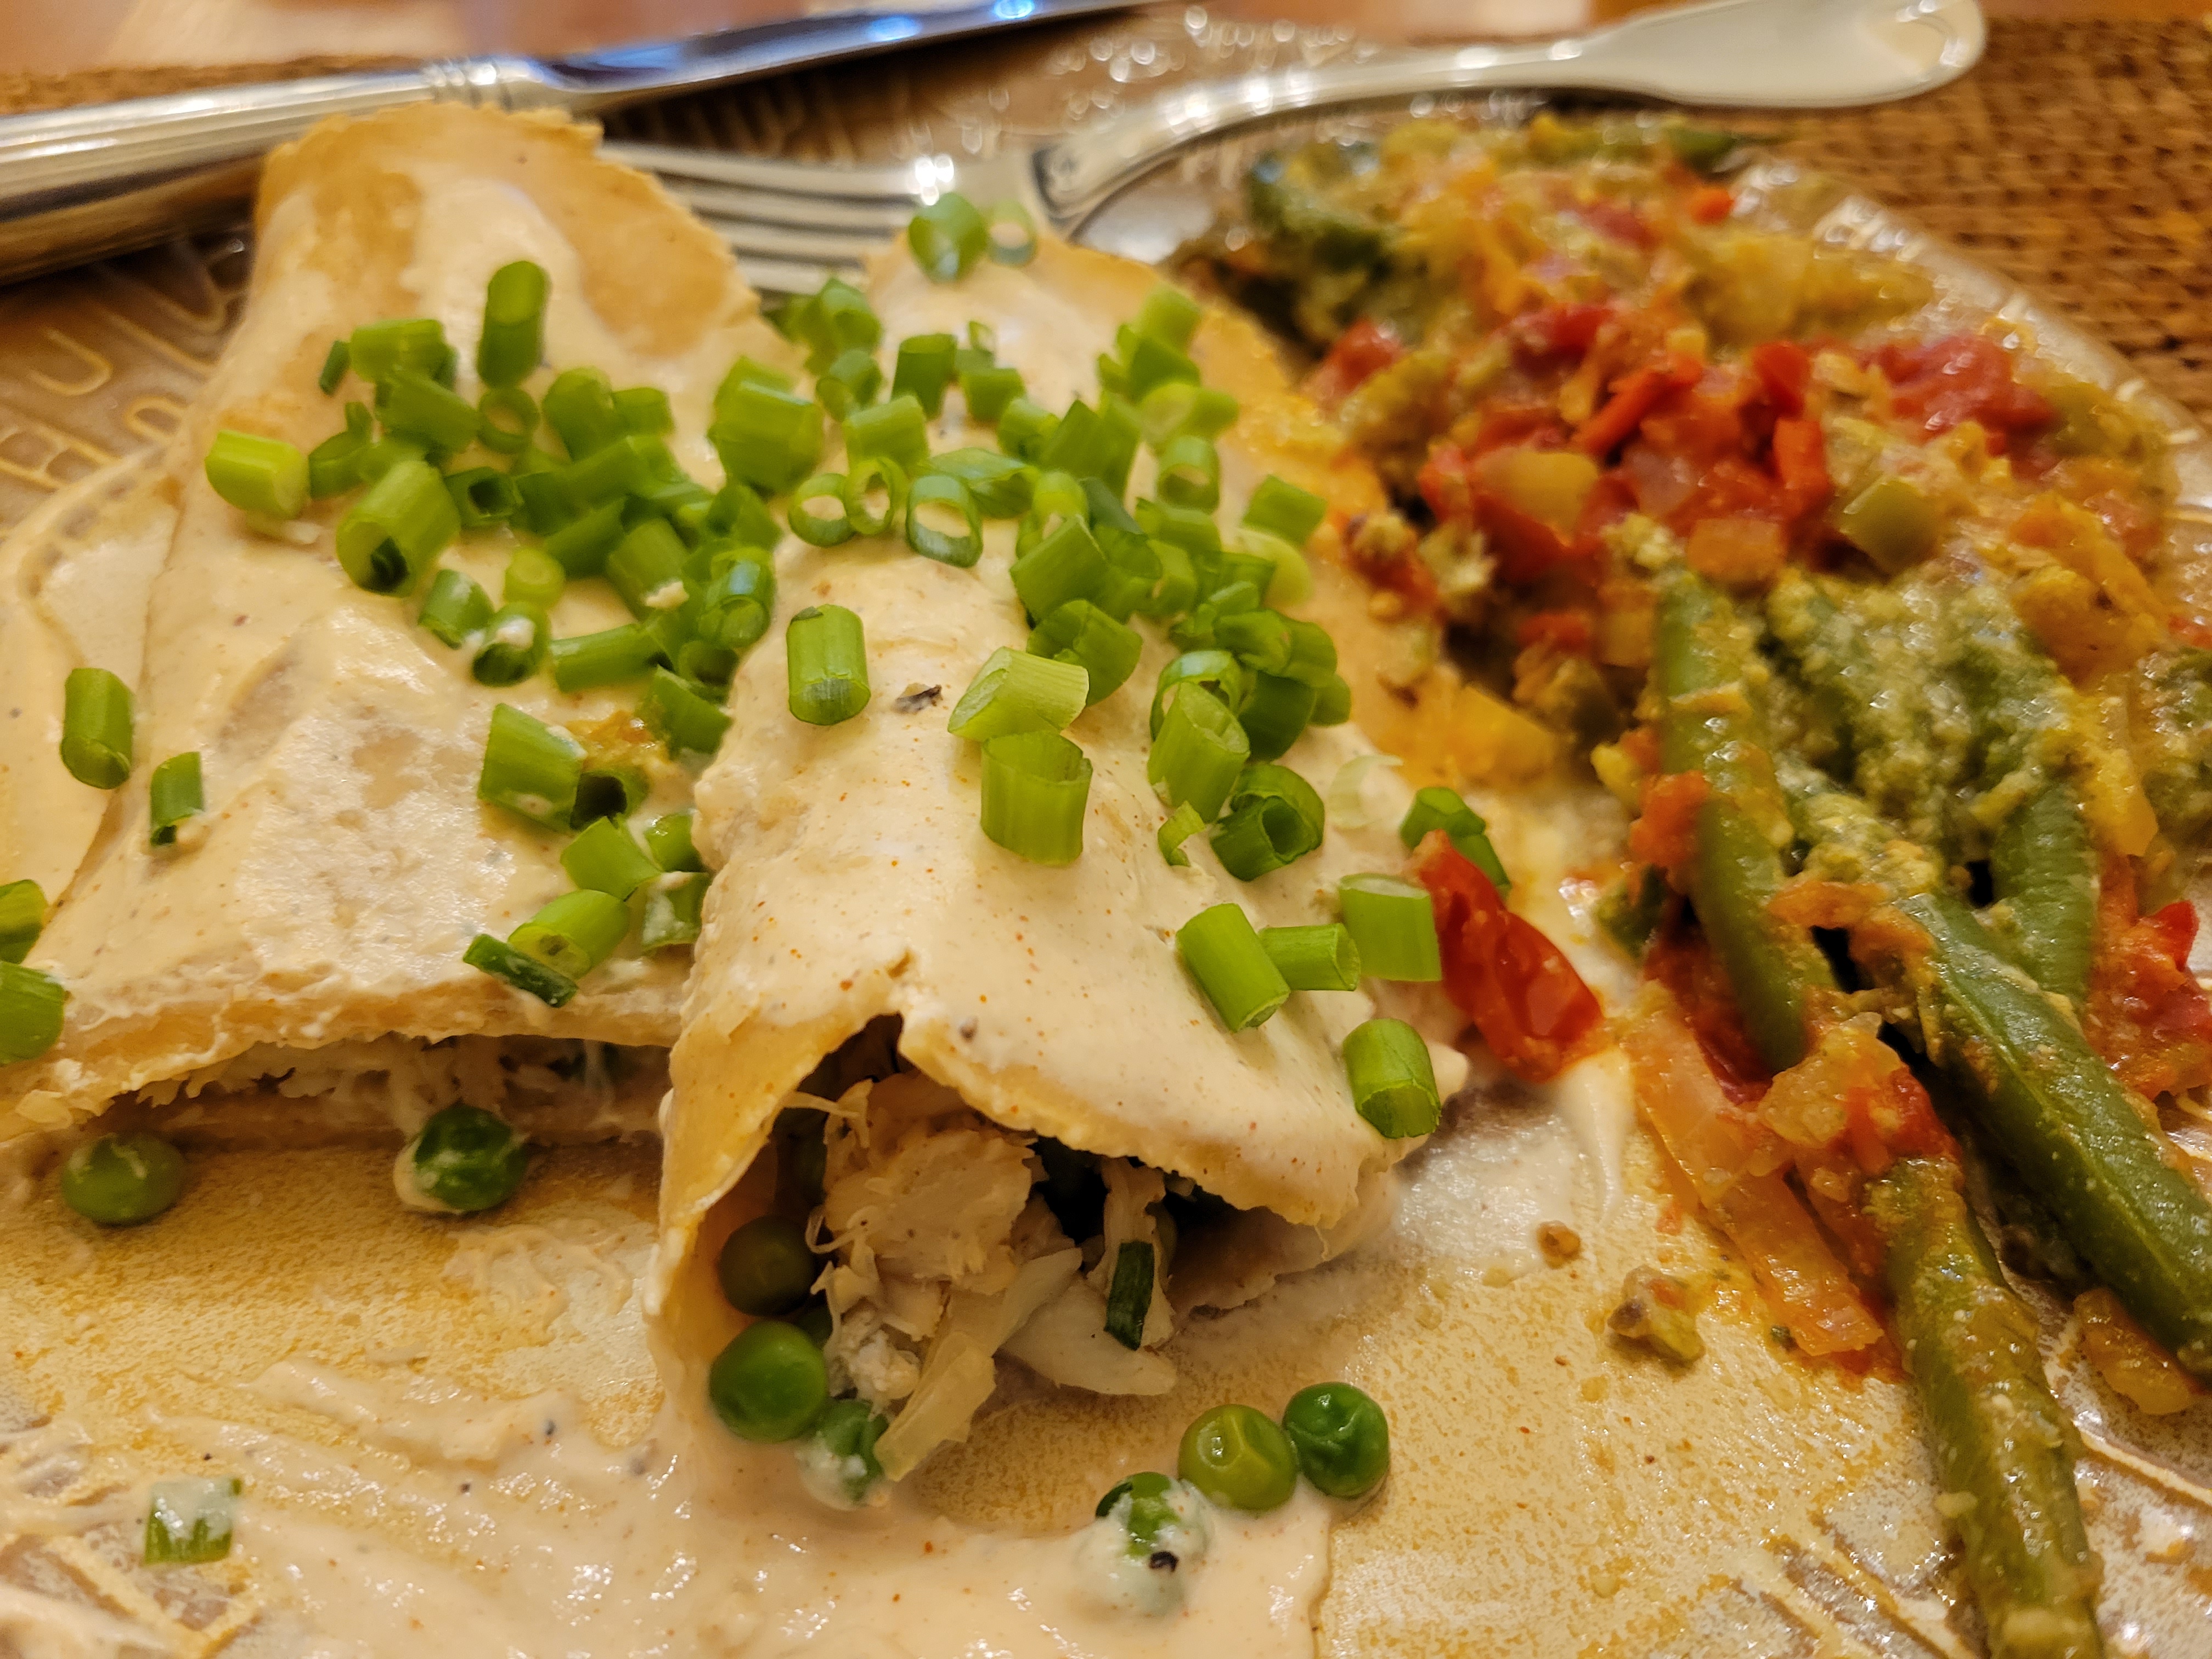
<point x="1239" y="1458"/>
<point x="119" y="1181"/>
<point x="463" y="1161"/>
<point x="769" y="1384"/>
<point x="1342" y="1437"/>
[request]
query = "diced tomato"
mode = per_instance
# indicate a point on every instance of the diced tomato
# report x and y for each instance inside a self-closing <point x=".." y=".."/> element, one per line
<point x="1617" y="220"/>
<point x="1711" y="203"/>
<point x="1560" y="330"/>
<point x="1665" y="833"/>
<point x="1537" y="425"/>
<point x="1568" y="631"/>
<point x="1359" y="351"/>
<point x="1632" y="399"/>
<point x="2147" y="1015"/>
<point x="1801" y="464"/>
<point x="1681" y="960"/>
<point x="1526" y="548"/>
<point x="1784" y="371"/>
<point x="1518" y="988"/>
<point x="1446" y="481"/>
<point x="1962" y="377"/>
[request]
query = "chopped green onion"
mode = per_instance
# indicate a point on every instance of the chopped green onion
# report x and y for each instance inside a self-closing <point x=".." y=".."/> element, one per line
<point x="1066" y="565"/>
<point x="189" y="1522"/>
<point x="1079" y="632"/>
<point x="1275" y="818"/>
<point x="1170" y="316"/>
<point x="647" y="568"/>
<point x="826" y="664"/>
<point x="1099" y="443"/>
<point x="643" y="410"/>
<point x="1189" y="528"/>
<point x="1129" y="1297"/>
<point x="739" y="513"/>
<point x="1025" y="429"/>
<point x="668" y="838"/>
<point x="1135" y="573"/>
<point x="1394" y="1083"/>
<point x="606" y="858"/>
<point x="608" y="788"/>
<point x="334" y="466"/>
<point x="1182" y="824"/>
<point x="676" y="713"/>
<point x="739" y="602"/>
<point x="1013" y="234"/>
<point x="849" y="383"/>
<point x="483" y="496"/>
<point x="867" y="476"/>
<point x="581" y="547"/>
<point x="533" y="577"/>
<point x="1037" y="787"/>
<point x="987" y="391"/>
<point x="1054" y="496"/>
<point x="1197" y="754"/>
<point x="923" y="369"/>
<point x="1395" y="927"/>
<point x="1313" y="654"/>
<point x="506" y="416"/>
<point x="575" y="932"/>
<point x="942" y="498"/>
<point x="1179" y="410"/>
<point x="1260" y="639"/>
<point x="1003" y="487"/>
<point x="816" y="529"/>
<point x="173" y="794"/>
<point x="402" y="522"/>
<point x="1014" y="692"/>
<point x="530" y="768"/>
<point x="579" y="406"/>
<point x="1218" y="671"/>
<point x="263" y="476"/>
<point x="898" y="430"/>
<point x="627" y="465"/>
<point x="836" y="319"/>
<point x="546" y="506"/>
<point x="22" y="918"/>
<point x="386" y="453"/>
<point x="1113" y="374"/>
<point x="1178" y="585"/>
<point x="377" y="349"/>
<point x="1289" y="580"/>
<point x="96" y="727"/>
<point x="455" y="608"/>
<point x="1438" y="808"/>
<point x="948" y="237"/>
<point x="413" y="405"/>
<point x="671" y="912"/>
<point x="513" y="340"/>
<point x="1281" y="508"/>
<point x="31" y="1005"/>
<point x="767" y="438"/>
<point x="1332" y="701"/>
<point x="747" y="371"/>
<point x="503" y="962"/>
<point x="584" y="660"/>
<point x="515" y="643"/>
<point x="1321" y="958"/>
<point x="1231" y="965"/>
<point x="1276" y="712"/>
<point x="336" y="361"/>
<point x="1151" y="364"/>
<point x="1190" y="474"/>
<point x="449" y="368"/>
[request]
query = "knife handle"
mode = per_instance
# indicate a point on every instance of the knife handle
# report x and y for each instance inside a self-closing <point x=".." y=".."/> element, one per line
<point x="75" y="184"/>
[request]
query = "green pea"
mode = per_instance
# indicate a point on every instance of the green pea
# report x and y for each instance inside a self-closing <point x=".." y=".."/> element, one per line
<point x="766" y="1268"/>
<point x="847" y="1432"/>
<point x="1237" y="1456"/>
<point x="813" y="1318"/>
<point x="1342" y="1437"/>
<point x="120" y="1179"/>
<point x="464" y="1160"/>
<point x="1151" y="1512"/>
<point x="770" y="1384"/>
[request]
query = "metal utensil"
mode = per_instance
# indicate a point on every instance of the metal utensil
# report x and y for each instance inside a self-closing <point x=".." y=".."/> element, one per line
<point x="101" y="178"/>
<point x="792" y="223"/>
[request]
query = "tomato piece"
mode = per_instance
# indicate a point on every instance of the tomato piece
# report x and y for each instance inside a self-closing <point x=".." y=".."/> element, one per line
<point x="1665" y="832"/>
<point x="1526" y="548"/>
<point x="1711" y="203"/>
<point x="1679" y="959"/>
<point x="1361" y="350"/>
<point x="1567" y="330"/>
<point x="1523" y="995"/>
<point x="1535" y="424"/>
<point x="1785" y="369"/>
<point x="1962" y="377"/>
<point x="2147" y="1015"/>
<point x="1634" y="398"/>
<point x="1446" y="481"/>
<point x="1801" y="464"/>
<point x="1563" y="630"/>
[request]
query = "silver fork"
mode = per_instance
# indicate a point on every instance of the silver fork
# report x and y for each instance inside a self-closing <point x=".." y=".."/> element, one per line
<point x="793" y="224"/>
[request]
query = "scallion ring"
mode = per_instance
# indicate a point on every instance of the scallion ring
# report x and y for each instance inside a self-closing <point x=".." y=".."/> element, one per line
<point x="872" y="478"/>
<point x="1015" y="691"/>
<point x="97" y="724"/>
<point x="174" y="793"/>
<point x="1190" y="473"/>
<point x="820" y="529"/>
<point x="1037" y="788"/>
<point x="1393" y="1082"/>
<point x="826" y="664"/>
<point x="507" y="416"/>
<point x="1232" y="967"/>
<point x="948" y="237"/>
<point x="1013" y="234"/>
<point x="1199" y="754"/>
<point x="1275" y="818"/>
<point x="513" y="338"/>
<point x="934" y="501"/>
<point x="575" y="932"/>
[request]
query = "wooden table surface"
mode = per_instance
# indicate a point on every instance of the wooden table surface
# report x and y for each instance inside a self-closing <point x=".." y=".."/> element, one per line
<point x="51" y="37"/>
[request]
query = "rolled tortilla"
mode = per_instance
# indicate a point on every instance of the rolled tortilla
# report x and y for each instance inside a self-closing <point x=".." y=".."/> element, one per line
<point x="315" y="930"/>
<point x="856" y="893"/>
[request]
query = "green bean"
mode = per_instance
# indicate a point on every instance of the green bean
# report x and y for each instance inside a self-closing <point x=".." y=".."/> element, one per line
<point x="2004" y="1450"/>
<point x="1707" y="670"/>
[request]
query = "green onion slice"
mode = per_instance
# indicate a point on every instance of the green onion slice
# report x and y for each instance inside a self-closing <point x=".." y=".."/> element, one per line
<point x="173" y="794"/>
<point x="530" y="768"/>
<point x="579" y="407"/>
<point x="483" y="496"/>
<point x="647" y="567"/>
<point x="266" y="476"/>
<point x="897" y="429"/>
<point x="739" y="512"/>
<point x="515" y="643"/>
<point x="671" y="912"/>
<point x="575" y="932"/>
<point x="1081" y="633"/>
<point x="740" y="600"/>
<point x="1015" y="692"/>
<point x="1170" y="316"/>
<point x="1276" y="712"/>
<point x="1332" y="701"/>
<point x="525" y="973"/>
<point x="923" y="368"/>
<point x="584" y="660"/>
<point x="533" y="577"/>
<point x="767" y="438"/>
<point x="31" y="1005"/>
<point x="22" y="918"/>
<point x="417" y="343"/>
<point x="987" y="391"/>
<point x="933" y="502"/>
<point x="868" y="476"/>
<point x="826" y="665"/>
<point x="1025" y="429"/>
<point x="1129" y="1298"/>
<point x="335" y="465"/>
<point x="582" y="547"/>
<point x="1003" y="487"/>
<point x="1394" y="1083"/>
<point x="1321" y="958"/>
<point x="606" y="858"/>
<point x="609" y="788"/>
<point x="335" y="362"/>
<point x="1275" y="818"/>
<point x="1037" y="787"/>
<point x="1199" y="754"/>
<point x="644" y="411"/>
<point x="1289" y="578"/>
<point x="513" y="340"/>
<point x="1281" y="508"/>
<point x="455" y="608"/>
<point x="849" y="383"/>
<point x="1231" y="965"/>
<point x="948" y="237"/>
<point x="1013" y="234"/>
<point x="1394" y="926"/>
<point x="413" y="405"/>
<point x="1181" y="824"/>
<point x="669" y="840"/>
<point x="1153" y="364"/>
<point x="1259" y="639"/>
<point x="1066" y="564"/>
<point x="506" y="416"/>
<point x="1190" y="474"/>
<point x="96" y="727"/>
<point x="189" y="1522"/>
<point x="1178" y="410"/>
<point x="402" y="522"/>
<point x="1218" y="671"/>
<point x="682" y="717"/>
<point x="819" y="529"/>
<point x="1438" y="808"/>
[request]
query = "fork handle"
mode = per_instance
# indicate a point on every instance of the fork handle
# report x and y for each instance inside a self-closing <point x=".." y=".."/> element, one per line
<point x="78" y="183"/>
